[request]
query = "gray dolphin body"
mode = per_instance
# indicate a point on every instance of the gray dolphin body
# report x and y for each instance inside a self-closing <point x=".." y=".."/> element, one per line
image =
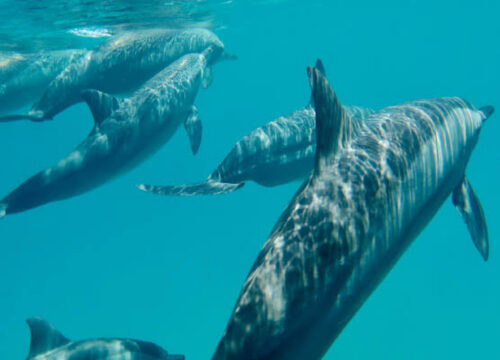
<point x="274" y="154"/>
<point x="374" y="187"/>
<point x="120" y="65"/>
<point x="23" y="78"/>
<point x="125" y="134"/>
<point x="47" y="343"/>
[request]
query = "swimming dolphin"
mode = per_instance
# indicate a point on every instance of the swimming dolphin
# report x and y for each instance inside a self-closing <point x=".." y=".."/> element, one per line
<point x="25" y="77"/>
<point x="374" y="187"/>
<point x="47" y="343"/>
<point x="120" y="65"/>
<point x="274" y="154"/>
<point x="125" y="134"/>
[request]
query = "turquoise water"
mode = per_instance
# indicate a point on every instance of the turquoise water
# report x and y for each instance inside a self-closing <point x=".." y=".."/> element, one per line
<point x="117" y="262"/>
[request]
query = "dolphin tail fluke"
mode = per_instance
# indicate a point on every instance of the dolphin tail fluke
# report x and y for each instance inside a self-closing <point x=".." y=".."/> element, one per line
<point x="206" y="188"/>
<point x="31" y="117"/>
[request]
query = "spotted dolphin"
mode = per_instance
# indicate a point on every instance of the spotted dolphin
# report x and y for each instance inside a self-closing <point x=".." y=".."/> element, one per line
<point x="23" y="78"/>
<point x="47" y="343"/>
<point x="126" y="132"/>
<point x="120" y="65"/>
<point x="374" y="187"/>
<point x="274" y="154"/>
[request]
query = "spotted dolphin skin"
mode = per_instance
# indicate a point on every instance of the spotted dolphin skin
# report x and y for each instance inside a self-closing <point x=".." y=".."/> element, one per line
<point x="374" y="187"/>
<point x="139" y="54"/>
<point x="47" y="343"/>
<point x="277" y="153"/>
<point x="23" y="78"/>
<point x="126" y="133"/>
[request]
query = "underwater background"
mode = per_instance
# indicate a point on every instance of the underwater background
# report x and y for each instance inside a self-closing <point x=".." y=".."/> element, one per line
<point x="117" y="262"/>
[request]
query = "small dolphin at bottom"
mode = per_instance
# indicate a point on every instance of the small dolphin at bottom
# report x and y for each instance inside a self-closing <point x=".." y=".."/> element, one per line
<point x="277" y="153"/>
<point x="47" y="343"/>
<point x="374" y="188"/>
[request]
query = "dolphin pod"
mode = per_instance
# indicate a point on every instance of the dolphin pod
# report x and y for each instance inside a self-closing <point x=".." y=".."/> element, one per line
<point x="139" y="54"/>
<point x="24" y="78"/>
<point x="47" y="343"/>
<point x="375" y="179"/>
<point x="126" y="132"/>
<point x="375" y="185"/>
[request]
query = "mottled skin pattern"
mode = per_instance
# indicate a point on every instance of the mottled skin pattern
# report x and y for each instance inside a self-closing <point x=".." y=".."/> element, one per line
<point x="278" y="152"/>
<point x="47" y="343"/>
<point x="107" y="349"/>
<point x="371" y="193"/>
<point x="274" y="154"/>
<point x="133" y="132"/>
<point x="23" y="78"/>
<point x="121" y="65"/>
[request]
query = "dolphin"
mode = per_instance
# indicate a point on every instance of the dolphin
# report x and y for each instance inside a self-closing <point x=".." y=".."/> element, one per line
<point x="375" y="185"/>
<point x="274" y="154"/>
<point x="23" y="78"/>
<point x="47" y="343"/>
<point x="126" y="132"/>
<point x="120" y="65"/>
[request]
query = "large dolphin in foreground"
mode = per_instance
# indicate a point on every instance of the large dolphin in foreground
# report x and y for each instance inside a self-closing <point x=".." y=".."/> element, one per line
<point x="274" y="154"/>
<point x="47" y="343"/>
<point x="120" y="65"/>
<point x="125" y="133"/>
<point x="23" y="78"/>
<point x="374" y="187"/>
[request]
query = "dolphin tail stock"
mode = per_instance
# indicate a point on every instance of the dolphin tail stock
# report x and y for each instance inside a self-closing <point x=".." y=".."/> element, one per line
<point x="208" y="187"/>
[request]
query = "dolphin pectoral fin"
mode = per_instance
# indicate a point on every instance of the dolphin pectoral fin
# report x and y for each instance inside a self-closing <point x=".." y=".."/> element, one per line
<point x="194" y="128"/>
<point x="44" y="337"/>
<point x="206" y="188"/>
<point x="207" y="77"/>
<point x="330" y="116"/>
<point x="101" y="104"/>
<point x="469" y="207"/>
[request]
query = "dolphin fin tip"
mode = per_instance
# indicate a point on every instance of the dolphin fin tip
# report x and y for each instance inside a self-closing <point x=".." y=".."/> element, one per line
<point x="35" y="117"/>
<point x="487" y="111"/>
<point x="205" y="188"/>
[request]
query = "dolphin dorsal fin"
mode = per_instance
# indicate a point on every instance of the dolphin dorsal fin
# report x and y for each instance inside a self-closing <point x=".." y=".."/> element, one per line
<point x="101" y="104"/>
<point x="321" y="68"/>
<point x="44" y="337"/>
<point x="330" y="116"/>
